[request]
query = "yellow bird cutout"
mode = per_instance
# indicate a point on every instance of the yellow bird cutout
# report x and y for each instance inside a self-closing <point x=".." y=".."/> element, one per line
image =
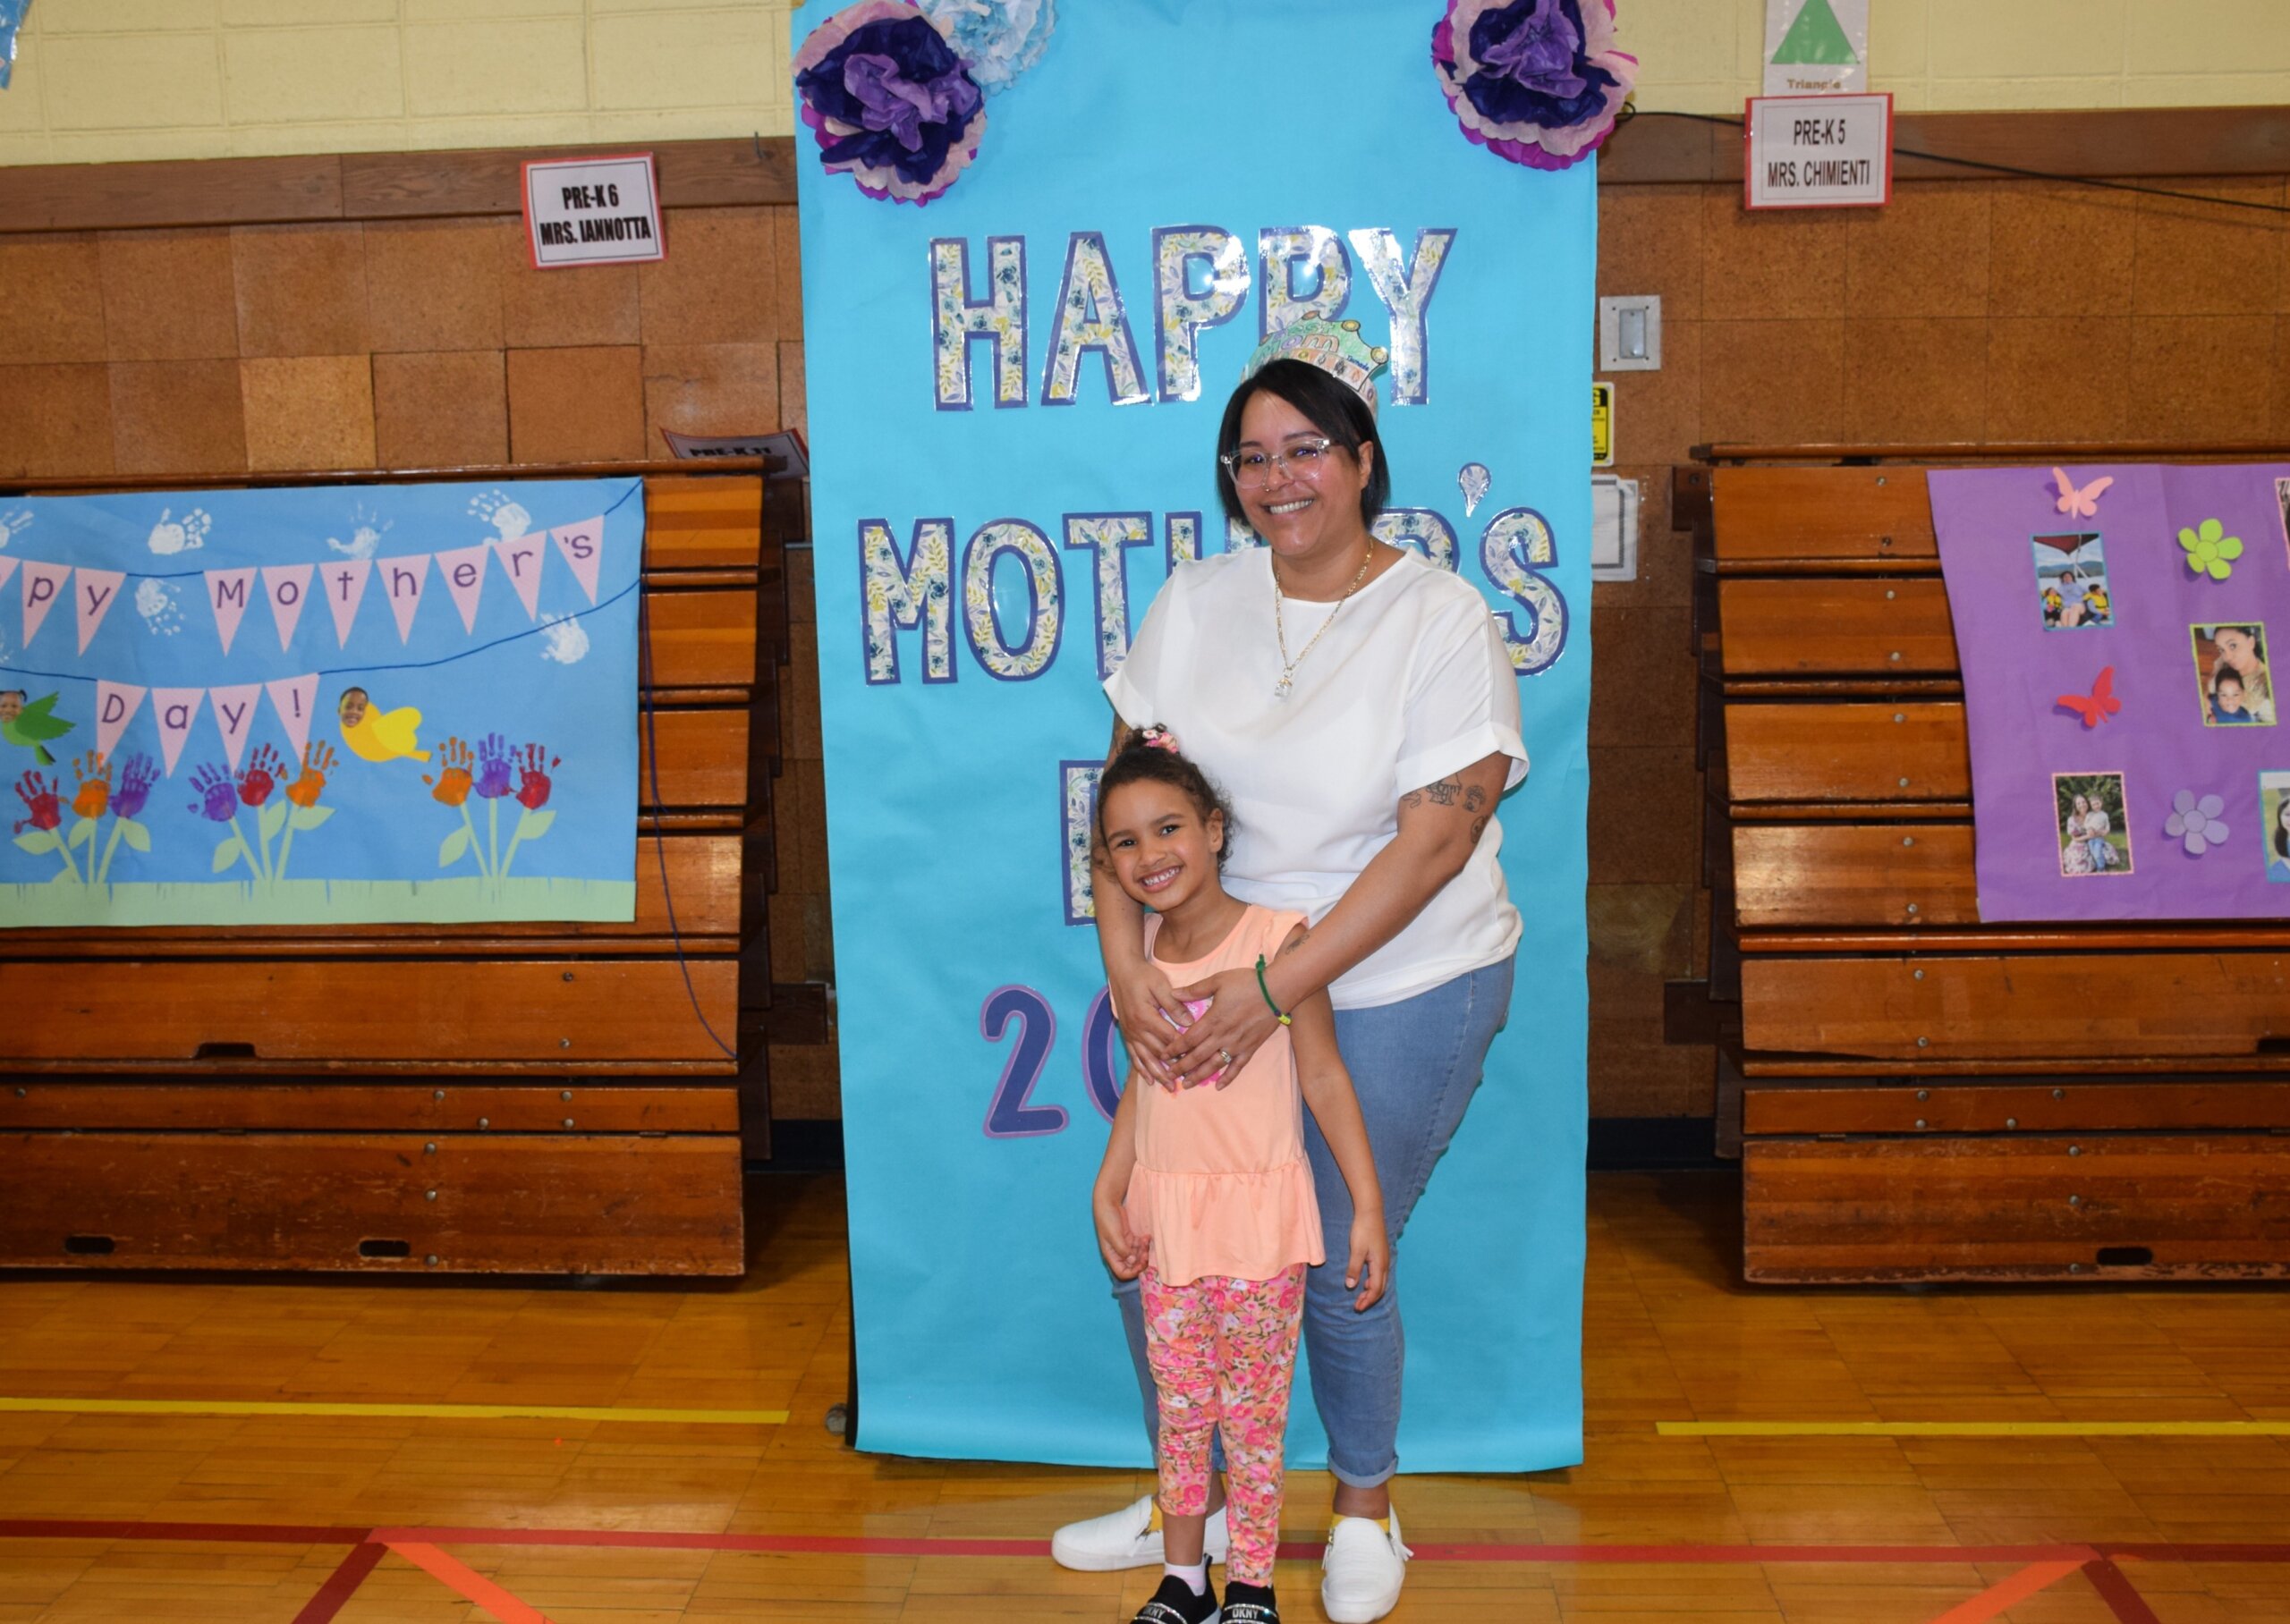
<point x="378" y="735"/>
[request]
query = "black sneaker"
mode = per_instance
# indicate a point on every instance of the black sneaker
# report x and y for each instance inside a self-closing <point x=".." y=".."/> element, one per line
<point x="1250" y="1604"/>
<point x="1175" y="1603"/>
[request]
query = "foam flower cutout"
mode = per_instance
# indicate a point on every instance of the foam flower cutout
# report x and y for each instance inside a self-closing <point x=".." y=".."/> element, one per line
<point x="2209" y="550"/>
<point x="2195" y="821"/>
<point x="1536" y="81"/>
<point x="997" y="40"/>
<point x="891" y="103"/>
<point x="1474" y="479"/>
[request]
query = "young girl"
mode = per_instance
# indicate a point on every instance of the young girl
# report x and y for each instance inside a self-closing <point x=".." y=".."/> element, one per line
<point x="1205" y="1189"/>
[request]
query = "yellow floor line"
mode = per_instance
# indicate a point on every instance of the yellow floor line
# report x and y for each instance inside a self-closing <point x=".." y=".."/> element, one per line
<point x="426" y="1412"/>
<point x="1973" y="1429"/>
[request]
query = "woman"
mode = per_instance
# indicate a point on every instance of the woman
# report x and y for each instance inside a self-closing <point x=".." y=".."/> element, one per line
<point x="2239" y="651"/>
<point x="1358" y="708"/>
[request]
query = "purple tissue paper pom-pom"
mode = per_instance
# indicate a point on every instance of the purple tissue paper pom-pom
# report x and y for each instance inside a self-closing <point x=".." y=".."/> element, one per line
<point x="1537" y="82"/>
<point x="890" y="101"/>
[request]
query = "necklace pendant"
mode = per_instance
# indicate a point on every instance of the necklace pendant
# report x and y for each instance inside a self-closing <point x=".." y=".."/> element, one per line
<point x="1280" y="689"/>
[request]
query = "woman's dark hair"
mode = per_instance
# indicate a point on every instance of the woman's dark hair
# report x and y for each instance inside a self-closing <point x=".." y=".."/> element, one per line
<point x="1332" y="407"/>
<point x="1140" y="761"/>
<point x="2281" y="835"/>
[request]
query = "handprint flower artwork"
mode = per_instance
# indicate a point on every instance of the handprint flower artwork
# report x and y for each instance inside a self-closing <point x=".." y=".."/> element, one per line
<point x="307" y="681"/>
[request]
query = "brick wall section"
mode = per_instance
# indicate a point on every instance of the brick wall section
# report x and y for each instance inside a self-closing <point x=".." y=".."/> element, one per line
<point x="1966" y="311"/>
<point x="420" y="343"/>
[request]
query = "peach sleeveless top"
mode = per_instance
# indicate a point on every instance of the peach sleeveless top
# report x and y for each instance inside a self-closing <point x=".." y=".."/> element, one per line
<point x="1221" y="1184"/>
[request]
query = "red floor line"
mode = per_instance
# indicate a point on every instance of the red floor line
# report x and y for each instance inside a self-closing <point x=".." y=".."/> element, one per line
<point x="339" y="1585"/>
<point x="865" y="1546"/>
<point x="2162" y="1552"/>
<point x="2117" y="1590"/>
<point x="251" y="1534"/>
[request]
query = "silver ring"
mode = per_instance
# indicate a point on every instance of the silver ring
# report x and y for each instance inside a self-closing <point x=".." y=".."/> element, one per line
<point x="1225" y="1055"/>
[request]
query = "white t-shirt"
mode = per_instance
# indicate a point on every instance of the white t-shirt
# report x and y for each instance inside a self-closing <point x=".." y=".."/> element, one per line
<point x="1409" y="685"/>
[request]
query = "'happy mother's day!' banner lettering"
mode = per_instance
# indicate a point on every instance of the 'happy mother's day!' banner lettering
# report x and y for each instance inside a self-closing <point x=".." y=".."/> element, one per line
<point x="387" y="704"/>
<point x="1014" y="395"/>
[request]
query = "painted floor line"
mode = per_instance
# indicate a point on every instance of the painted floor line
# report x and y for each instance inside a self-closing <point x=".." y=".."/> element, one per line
<point x="2029" y="1581"/>
<point x="1973" y="1429"/>
<point x="470" y="1584"/>
<point x="419" y="1412"/>
<point x="341" y="1585"/>
<point x="829" y="1544"/>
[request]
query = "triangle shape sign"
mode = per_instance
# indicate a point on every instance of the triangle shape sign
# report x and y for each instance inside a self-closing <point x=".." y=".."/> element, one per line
<point x="1815" y="37"/>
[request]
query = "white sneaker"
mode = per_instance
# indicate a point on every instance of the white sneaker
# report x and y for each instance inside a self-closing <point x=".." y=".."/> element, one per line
<point x="1130" y="1537"/>
<point x="1362" y="1570"/>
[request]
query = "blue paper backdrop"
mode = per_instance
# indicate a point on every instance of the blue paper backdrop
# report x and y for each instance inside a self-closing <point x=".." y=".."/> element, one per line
<point x="376" y="842"/>
<point x="975" y="1057"/>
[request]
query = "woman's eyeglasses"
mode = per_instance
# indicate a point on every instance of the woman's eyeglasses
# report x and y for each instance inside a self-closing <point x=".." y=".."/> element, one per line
<point x="1303" y="458"/>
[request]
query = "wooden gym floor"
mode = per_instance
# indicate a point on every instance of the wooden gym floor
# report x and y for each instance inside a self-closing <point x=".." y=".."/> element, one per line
<point x="2047" y="1456"/>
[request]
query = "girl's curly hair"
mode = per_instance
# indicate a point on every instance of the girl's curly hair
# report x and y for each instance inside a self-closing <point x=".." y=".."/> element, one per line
<point x="1144" y="757"/>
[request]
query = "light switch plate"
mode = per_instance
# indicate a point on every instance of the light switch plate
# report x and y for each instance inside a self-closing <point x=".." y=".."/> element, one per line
<point x="1630" y="333"/>
<point x="1613" y="529"/>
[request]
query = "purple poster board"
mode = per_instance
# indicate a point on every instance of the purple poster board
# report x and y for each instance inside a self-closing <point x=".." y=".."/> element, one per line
<point x="2119" y="630"/>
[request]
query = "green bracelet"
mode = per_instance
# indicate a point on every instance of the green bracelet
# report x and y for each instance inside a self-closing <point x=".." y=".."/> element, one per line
<point x="1276" y="1012"/>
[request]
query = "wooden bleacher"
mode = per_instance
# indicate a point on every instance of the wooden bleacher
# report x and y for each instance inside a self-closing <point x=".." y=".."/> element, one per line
<point x="260" y="1099"/>
<point x="1915" y="1095"/>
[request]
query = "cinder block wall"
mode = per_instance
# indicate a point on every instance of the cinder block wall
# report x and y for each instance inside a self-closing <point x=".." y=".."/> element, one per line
<point x="99" y="80"/>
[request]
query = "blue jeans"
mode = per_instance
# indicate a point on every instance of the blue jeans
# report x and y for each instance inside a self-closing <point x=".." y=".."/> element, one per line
<point x="1414" y="1065"/>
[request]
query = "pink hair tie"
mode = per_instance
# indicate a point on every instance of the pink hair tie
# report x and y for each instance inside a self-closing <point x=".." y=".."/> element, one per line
<point x="1159" y="737"/>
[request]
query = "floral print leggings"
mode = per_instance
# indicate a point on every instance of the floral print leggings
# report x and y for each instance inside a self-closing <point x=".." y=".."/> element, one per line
<point x="1224" y="1354"/>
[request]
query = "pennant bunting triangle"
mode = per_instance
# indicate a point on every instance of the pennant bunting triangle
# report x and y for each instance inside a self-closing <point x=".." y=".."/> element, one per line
<point x="520" y="559"/>
<point x="96" y="591"/>
<point x="174" y="709"/>
<point x="116" y="704"/>
<point x="403" y="579"/>
<point x="234" y="709"/>
<point x="345" y="586"/>
<point x="7" y="568"/>
<point x="226" y="593"/>
<point x="288" y="587"/>
<point x="463" y="569"/>
<point x="584" y="546"/>
<point x="292" y="698"/>
<point x="44" y="584"/>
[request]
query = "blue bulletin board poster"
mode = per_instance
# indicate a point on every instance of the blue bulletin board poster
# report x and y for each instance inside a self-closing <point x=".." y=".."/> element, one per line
<point x="379" y="703"/>
<point x="1013" y="394"/>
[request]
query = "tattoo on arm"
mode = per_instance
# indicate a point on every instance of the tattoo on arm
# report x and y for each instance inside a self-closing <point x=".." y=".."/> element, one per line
<point x="1479" y="827"/>
<point x="1445" y="792"/>
<point x="1474" y="798"/>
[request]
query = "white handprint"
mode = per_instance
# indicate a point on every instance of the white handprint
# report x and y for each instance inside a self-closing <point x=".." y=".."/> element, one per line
<point x="563" y="639"/>
<point x="509" y="517"/>
<point x="180" y="534"/>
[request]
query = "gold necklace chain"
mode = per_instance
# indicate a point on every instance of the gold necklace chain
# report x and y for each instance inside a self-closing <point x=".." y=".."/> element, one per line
<point x="1280" y="628"/>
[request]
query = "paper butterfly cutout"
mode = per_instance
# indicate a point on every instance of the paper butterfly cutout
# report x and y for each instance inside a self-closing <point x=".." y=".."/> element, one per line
<point x="2100" y="706"/>
<point x="2082" y="503"/>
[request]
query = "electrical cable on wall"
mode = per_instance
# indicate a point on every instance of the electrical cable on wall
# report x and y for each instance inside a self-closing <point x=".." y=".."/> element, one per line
<point x="1632" y="114"/>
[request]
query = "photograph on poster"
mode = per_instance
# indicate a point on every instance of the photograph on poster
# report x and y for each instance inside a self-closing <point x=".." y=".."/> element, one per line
<point x="2230" y="675"/>
<point x="2274" y="823"/>
<point x="2094" y="830"/>
<point x="2071" y="582"/>
<point x="2282" y="502"/>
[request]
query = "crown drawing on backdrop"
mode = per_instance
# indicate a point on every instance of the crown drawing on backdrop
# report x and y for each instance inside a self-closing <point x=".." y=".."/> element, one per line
<point x="1334" y="347"/>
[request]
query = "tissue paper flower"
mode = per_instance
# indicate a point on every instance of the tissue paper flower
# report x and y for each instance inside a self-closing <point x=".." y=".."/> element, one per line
<point x="997" y="39"/>
<point x="1536" y="81"/>
<point x="892" y="104"/>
